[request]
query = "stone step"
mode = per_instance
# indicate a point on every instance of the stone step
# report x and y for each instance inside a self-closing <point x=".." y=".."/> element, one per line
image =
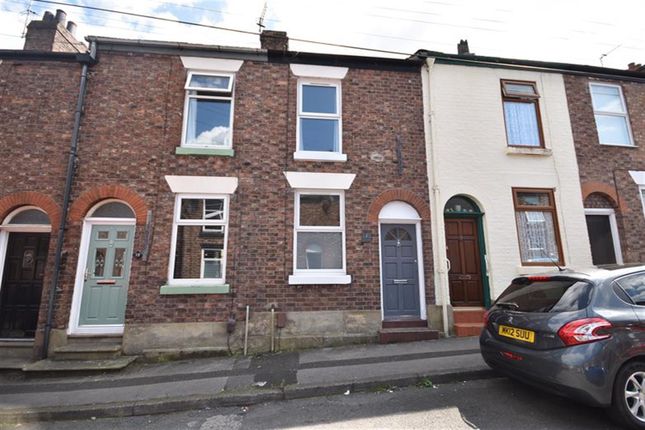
<point x="468" y="315"/>
<point x="404" y="323"/>
<point x="181" y="353"/>
<point x="87" y="351"/>
<point x="468" y="329"/>
<point x="54" y="366"/>
<point x="406" y="334"/>
<point x="17" y="349"/>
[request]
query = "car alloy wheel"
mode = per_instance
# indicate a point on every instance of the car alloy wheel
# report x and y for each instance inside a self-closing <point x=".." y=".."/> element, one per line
<point x="635" y="395"/>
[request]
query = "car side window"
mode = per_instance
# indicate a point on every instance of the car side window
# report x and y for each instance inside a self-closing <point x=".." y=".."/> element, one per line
<point x="634" y="287"/>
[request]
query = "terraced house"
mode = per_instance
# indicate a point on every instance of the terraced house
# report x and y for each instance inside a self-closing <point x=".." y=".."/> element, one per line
<point x="205" y="183"/>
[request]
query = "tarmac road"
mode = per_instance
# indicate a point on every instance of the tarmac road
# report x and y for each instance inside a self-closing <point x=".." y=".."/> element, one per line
<point x="486" y="404"/>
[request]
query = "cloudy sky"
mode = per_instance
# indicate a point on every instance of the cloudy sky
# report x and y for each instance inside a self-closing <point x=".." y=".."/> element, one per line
<point x="575" y="31"/>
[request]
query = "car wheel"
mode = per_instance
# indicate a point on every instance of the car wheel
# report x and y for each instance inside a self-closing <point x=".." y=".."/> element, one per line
<point x="628" y="400"/>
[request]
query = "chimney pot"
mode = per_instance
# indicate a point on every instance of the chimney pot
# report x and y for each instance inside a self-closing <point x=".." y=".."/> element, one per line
<point x="48" y="16"/>
<point x="462" y="47"/>
<point x="61" y="16"/>
<point x="274" y="40"/>
<point x="71" y="27"/>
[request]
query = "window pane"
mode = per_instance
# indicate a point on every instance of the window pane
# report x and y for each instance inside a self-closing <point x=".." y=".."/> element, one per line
<point x="533" y="199"/>
<point x="30" y="216"/>
<point x="634" y="286"/>
<point x="319" y="135"/>
<point x="319" y="250"/>
<point x="214" y="82"/>
<point x="318" y="99"/>
<point x="606" y="99"/>
<point x="212" y="267"/>
<point x="208" y="122"/>
<point x="521" y="124"/>
<point x="520" y="89"/>
<point x="537" y="237"/>
<point x="612" y="130"/>
<point x="207" y="209"/>
<point x="317" y="210"/>
<point x="190" y="248"/>
<point x="113" y="210"/>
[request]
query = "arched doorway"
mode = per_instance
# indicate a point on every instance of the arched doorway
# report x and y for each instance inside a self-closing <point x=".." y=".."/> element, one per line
<point x="103" y="271"/>
<point x="401" y="250"/>
<point x="466" y="252"/>
<point x="602" y="227"/>
<point x="24" y="246"/>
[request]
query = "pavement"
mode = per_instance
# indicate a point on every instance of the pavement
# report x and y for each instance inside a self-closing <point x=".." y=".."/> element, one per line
<point x="163" y="387"/>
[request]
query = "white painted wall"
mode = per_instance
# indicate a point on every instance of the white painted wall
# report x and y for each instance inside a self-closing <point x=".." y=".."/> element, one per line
<point x="469" y="140"/>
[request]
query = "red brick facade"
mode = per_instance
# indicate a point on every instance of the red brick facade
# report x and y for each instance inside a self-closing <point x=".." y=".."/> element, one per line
<point x="131" y="126"/>
<point x="604" y="170"/>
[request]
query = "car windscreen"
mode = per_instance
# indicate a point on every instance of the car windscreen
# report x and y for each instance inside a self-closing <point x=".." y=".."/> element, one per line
<point x="561" y="295"/>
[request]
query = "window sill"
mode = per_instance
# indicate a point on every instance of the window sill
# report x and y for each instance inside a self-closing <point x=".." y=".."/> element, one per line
<point x="167" y="290"/>
<point x="220" y="152"/>
<point x="319" y="156"/>
<point x="516" y="150"/>
<point x="618" y="145"/>
<point x="319" y="279"/>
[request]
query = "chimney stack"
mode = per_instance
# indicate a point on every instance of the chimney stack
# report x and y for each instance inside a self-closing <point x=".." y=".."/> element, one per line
<point x="274" y="40"/>
<point x="635" y="67"/>
<point x="51" y="35"/>
<point x="462" y="47"/>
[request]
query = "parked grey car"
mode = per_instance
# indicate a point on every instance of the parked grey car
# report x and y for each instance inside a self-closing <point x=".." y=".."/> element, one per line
<point x="579" y="334"/>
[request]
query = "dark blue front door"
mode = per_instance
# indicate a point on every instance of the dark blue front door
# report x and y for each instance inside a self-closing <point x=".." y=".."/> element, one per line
<point x="400" y="271"/>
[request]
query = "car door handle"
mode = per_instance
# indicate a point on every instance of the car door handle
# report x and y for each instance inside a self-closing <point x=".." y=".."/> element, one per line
<point x="400" y="281"/>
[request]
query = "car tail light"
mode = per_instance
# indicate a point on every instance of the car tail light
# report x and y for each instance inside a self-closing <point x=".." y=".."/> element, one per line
<point x="584" y="331"/>
<point x="486" y="315"/>
<point x="539" y="278"/>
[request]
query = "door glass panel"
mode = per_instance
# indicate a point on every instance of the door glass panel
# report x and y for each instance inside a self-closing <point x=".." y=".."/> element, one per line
<point x="99" y="262"/>
<point x="397" y="234"/>
<point x="117" y="267"/>
<point x="122" y="235"/>
<point x="103" y="235"/>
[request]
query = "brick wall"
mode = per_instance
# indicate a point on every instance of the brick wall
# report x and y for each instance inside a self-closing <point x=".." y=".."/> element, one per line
<point x="132" y="125"/>
<point x="605" y="169"/>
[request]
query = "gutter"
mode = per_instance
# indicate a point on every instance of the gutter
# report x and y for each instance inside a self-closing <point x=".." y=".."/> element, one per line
<point x="71" y="57"/>
<point x="540" y="66"/>
<point x="71" y="167"/>
<point x="438" y="238"/>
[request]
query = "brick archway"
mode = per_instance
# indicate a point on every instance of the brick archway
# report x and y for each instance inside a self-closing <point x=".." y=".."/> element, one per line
<point x="91" y="197"/>
<point x="606" y="190"/>
<point x="397" y="194"/>
<point x="31" y="198"/>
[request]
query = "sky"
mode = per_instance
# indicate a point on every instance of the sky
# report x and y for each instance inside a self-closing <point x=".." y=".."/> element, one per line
<point x="594" y="32"/>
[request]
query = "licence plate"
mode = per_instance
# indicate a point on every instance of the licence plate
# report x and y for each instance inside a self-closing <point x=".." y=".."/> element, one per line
<point x="517" y="333"/>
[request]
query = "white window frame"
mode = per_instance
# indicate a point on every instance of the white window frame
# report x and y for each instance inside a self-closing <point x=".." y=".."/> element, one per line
<point x="302" y="154"/>
<point x="613" y="227"/>
<point x="204" y="260"/>
<point x="641" y="192"/>
<point x="625" y="113"/>
<point x="191" y="93"/>
<point x="319" y="276"/>
<point x="172" y="282"/>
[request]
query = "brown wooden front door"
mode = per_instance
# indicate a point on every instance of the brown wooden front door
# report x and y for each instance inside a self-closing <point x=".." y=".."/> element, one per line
<point x="22" y="284"/>
<point x="465" y="275"/>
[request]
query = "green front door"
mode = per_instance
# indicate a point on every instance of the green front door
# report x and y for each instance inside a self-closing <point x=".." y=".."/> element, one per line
<point x="105" y="288"/>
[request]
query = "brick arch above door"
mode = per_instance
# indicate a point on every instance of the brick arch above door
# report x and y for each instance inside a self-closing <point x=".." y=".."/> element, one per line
<point x="91" y="197"/>
<point x="399" y="194"/>
<point x="607" y="191"/>
<point x="31" y="198"/>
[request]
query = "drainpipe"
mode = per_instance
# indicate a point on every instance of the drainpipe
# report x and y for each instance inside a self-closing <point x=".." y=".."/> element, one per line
<point x="438" y="238"/>
<point x="71" y="166"/>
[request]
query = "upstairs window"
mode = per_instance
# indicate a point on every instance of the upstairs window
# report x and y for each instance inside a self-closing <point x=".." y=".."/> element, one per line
<point x="319" y="120"/>
<point x="611" y="116"/>
<point x="537" y="227"/>
<point x="522" y="113"/>
<point x="208" y="110"/>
